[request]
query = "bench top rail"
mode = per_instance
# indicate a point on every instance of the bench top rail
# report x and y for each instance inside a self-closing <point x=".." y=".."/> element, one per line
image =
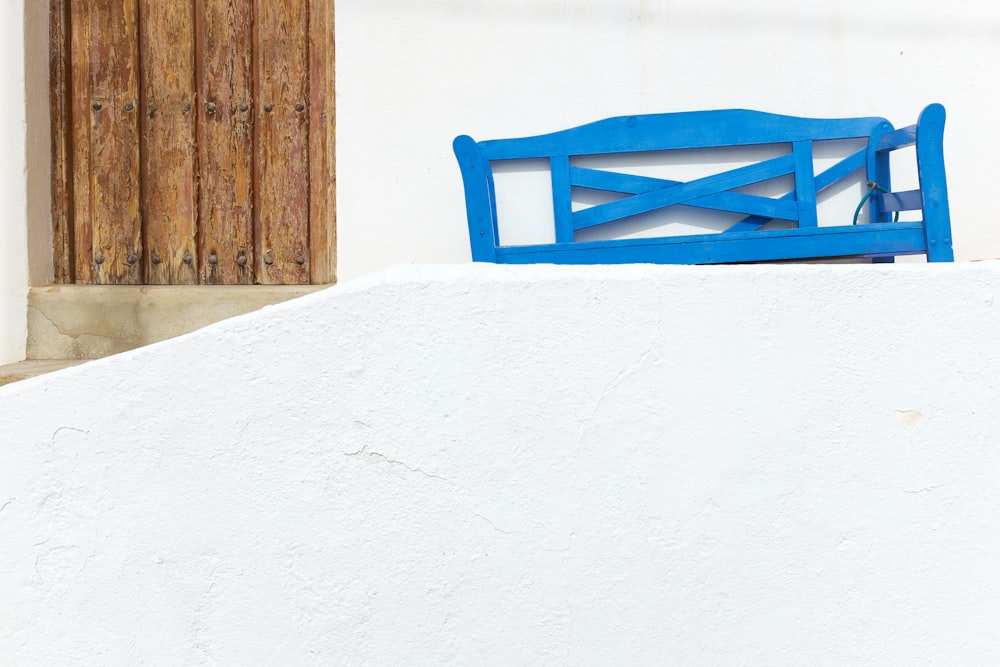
<point x="679" y="131"/>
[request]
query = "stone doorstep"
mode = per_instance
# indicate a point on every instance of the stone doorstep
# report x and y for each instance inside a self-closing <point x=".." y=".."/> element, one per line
<point x="69" y="324"/>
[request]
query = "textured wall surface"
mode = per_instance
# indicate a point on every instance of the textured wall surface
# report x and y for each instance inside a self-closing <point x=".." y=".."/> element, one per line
<point x="537" y="465"/>
<point x="13" y="186"/>
<point x="411" y="76"/>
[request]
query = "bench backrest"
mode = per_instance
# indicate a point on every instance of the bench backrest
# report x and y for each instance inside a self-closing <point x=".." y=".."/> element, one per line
<point x="719" y="191"/>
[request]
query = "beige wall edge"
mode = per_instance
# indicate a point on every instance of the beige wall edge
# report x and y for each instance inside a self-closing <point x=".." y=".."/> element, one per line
<point x="89" y="322"/>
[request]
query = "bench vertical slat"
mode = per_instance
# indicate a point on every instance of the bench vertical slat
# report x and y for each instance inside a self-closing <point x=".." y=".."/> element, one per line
<point x="805" y="183"/>
<point x="562" y="204"/>
<point x="930" y="158"/>
<point x="480" y="203"/>
<point x="878" y="170"/>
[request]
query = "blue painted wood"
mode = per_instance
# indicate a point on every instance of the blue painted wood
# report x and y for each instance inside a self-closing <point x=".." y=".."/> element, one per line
<point x="737" y="202"/>
<point x="562" y="201"/>
<point x="679" y="194"/>
<point x="897" y="139"/>
<point x="930" y="158"/>
<point x="480" y="201"/>
<point x="674" y="131"/>
<point x="825" y="179"/>
<point x="613" y="181"/>
<point x="805" y="184"/>
<point x="877" y="170"/>
<point x="743" y="242"/>
<point x="911" y="200"/>
<point x="857" y="241"/>
<point x="732" y="202"/>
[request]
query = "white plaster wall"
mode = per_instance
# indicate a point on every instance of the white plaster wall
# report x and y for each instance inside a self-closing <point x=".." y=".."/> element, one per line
<point x="13" y="192"/>
<point x="413" y="75"/>
<point x="529" y="465"/>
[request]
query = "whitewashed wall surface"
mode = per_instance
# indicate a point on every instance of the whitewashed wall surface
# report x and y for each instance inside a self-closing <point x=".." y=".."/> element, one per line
<point x="535" y="465"/>
<point x="413" y="75"/>
<point x="14" y="267"/>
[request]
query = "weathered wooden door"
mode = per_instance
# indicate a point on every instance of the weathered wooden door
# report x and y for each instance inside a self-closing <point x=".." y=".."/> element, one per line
<point x="193" y="141"/>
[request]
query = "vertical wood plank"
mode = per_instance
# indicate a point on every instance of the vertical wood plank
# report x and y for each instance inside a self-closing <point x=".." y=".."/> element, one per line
<point x="322" y="153"/>
<point x="169" y="185"/>
<point x="225" y="138"/>
<point x="480" y="199"/>
<point x="878" y="172"/>
<point x="80" y="119"/>
<point x="933" y="184"/>
<point x="61" y="130"/>
<point x="562" y="200"/>
<point x="282" y="141"/>
<point x="805" y="183"/>
<point x="114" y="142"/>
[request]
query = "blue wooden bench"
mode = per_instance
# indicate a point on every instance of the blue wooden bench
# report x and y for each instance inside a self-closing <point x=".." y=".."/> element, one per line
<point x="747" y="239"/>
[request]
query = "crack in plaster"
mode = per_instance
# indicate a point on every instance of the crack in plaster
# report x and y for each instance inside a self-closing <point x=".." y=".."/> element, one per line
<point x="86" y="559"/>
<point x="68" y="334"/>
<point x="364" y="450"/>
<point x="622" y="374"/>
<point x="4" y="506"/>
<point x="254" y="420"/>
<point x="721" y="509"/>
<point x="923" y="489"/>
<point x="492" y="525"/>
<point x="67" y="428"/>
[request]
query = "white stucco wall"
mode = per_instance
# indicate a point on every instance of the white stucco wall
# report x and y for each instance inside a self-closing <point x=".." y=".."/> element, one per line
<point x="535" y="465"/>
<point x="13" y="185"/>
<point x="413" y="75"/>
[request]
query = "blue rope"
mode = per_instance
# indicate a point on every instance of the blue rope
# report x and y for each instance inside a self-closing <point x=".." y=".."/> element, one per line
<point x="872" y="187"/>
